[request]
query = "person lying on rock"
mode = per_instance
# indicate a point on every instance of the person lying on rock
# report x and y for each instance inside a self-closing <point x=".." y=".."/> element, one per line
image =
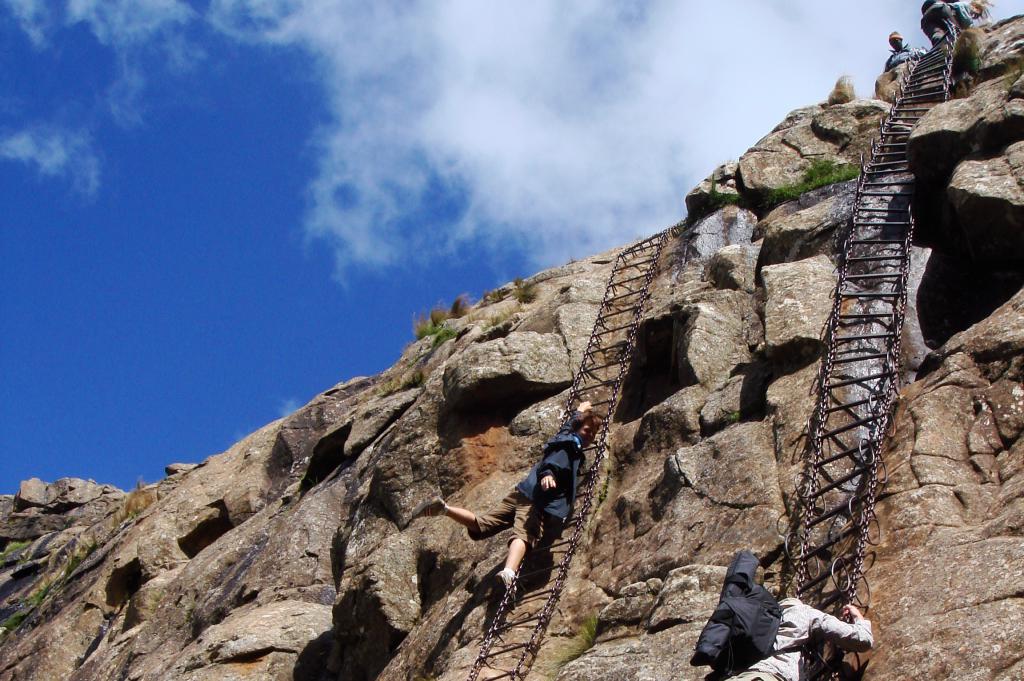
<point x="536" y="509"/>
<point x="900" y="53"/>
<point x="802" y="624"/>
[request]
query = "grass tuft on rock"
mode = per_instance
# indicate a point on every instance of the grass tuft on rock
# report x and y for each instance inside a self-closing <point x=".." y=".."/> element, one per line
<point x="967" y="52"/>
<point x="842" y="91"/>
<point x="524" y="292"/>
<point x="12" y="548"/>
<point x="578" y="644"/>
<point x="821" y="173"/>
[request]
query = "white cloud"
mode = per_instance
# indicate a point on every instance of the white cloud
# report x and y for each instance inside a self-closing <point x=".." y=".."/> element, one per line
<point x="123" y="22"/>
<point x="33" y="17"/>
<point x="566" y="128"/>
<point x="288" y="407"/>
<point x="54" y="152"/>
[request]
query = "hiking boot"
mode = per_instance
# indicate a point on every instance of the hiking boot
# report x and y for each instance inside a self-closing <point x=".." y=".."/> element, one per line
<point x="506" y="576"/>
<point x="429" y="508"/>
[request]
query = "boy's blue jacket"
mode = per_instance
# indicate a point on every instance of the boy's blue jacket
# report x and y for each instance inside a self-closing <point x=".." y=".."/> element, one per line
<point x="563" y="458"/>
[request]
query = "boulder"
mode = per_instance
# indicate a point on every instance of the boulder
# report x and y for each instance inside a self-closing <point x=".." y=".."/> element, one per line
<point x="987" y="196"/>
<point x="520" y="365"/>
<point x="724" y="227"/>
<point x="799" y="298"/>
<point x="179" y="468"/>
<point x="838" y="133"/>
<point x="264" y="643"/>
<point x="732" y="267"/>
<point x="717" y="334"/>
<point x="632" y="606"/>
<point x="742" y="397"/>
<point x="805" y="228"/>
<point x="702" y="199"/>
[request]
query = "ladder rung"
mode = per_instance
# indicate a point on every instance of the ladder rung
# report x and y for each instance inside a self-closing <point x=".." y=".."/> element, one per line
<point x="866" y="336"/>
<point x="860" y="379"/>
<point x="835" y="510"/>
<point x="849" y="426"/>
<point x="840" y="481"/>
<point x="874" y="258"/>
<point x="849" y="360"/>
<point x="847" y="405"/>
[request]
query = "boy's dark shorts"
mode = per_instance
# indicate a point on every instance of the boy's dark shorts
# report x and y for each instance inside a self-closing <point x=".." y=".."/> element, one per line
<point x="528" y="522"/>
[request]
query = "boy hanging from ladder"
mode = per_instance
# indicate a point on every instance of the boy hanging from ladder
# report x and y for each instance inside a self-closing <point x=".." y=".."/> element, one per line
<point x="536" y="509"/>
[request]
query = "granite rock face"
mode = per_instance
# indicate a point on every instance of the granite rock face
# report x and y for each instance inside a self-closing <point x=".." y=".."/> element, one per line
<point x="295" y="555"/>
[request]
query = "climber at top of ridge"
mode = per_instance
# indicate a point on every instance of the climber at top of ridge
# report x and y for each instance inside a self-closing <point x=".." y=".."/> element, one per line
<point x="536" y="509"/>
<point x="936" y="15"/>
<point x="803" y="624"/>
<point x="900" y="52"/>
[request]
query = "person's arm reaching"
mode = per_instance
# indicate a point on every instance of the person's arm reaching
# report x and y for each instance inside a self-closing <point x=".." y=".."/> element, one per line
<point x="855" y="637"/>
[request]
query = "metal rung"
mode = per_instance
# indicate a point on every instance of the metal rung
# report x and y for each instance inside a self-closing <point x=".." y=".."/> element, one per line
<point x="825" y="574"/>
<point x="511" y="625"/>
<point x="601" y="366"/>
<point x="506" y="649"/>
<point x="876" y="315"/>
<point x="849" y="360"/>
<point x="849" y="426"/>
<point x="832" y="599"/>
<point x="840" y="481"/>
<point x="874" y="258"/>
<point x="617" y="328"/>
<point x="624" y="295"/>
<point x="835" y="510"/>
<point x="609" y="315"/>
<point x="866" y="336"/>
<point x="851" y="294"/>
<point x="535" y="595"/>
<point x="847" y="405"/>
<point x="615" y="284"/>
<point x="861" y="379"/>
<point x="861" y="277"/>
<point x="840" y="455"/>
<point x="886" y="194"/>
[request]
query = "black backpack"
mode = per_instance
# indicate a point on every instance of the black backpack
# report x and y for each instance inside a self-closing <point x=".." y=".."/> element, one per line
<point x="742" y="629"/>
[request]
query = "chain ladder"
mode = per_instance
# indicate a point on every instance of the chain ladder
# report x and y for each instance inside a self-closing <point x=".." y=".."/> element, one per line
<point x="857" y="379"/>
<point x="625" y="297"/>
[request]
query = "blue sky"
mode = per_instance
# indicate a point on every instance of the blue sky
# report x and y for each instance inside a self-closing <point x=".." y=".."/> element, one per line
<point x="214" y="210"/>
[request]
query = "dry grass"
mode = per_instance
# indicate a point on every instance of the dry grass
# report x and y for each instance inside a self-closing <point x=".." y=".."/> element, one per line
<point x="524" y="292"/>
<point x="574" y="647"/>
<point x="460" y="306"/>
<point x="967" y="52"/>
<point x="843" y="91"/>
<point x="135" y="502"/>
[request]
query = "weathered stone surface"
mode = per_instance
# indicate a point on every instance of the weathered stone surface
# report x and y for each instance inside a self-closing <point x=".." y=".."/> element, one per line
<point x="238" y="646"/>
<point x="633" y="606"/>
<point x="574" y="322"/>
<point x="203" y="583"/>
<point x="992" y="342"/>
<point x="732" y="267"/>
<point x="689" y="595"/>
<point x="726" y="226"/>
<point x="742" y="397"/>
<point x="799" y="297"/>
<point x="988" y="198"/>
<point x="795" y="231"/>
<point x="673" y="422"/>
<point x="838" y="133"/>
<point x="717" y="335"/>
<point x="522" y="363"/>
<point x="701" y="198"/>
<point x="179" y="468"/>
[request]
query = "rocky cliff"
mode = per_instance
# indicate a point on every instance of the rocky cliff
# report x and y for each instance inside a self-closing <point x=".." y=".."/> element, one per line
<point x="291" y="555"/>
